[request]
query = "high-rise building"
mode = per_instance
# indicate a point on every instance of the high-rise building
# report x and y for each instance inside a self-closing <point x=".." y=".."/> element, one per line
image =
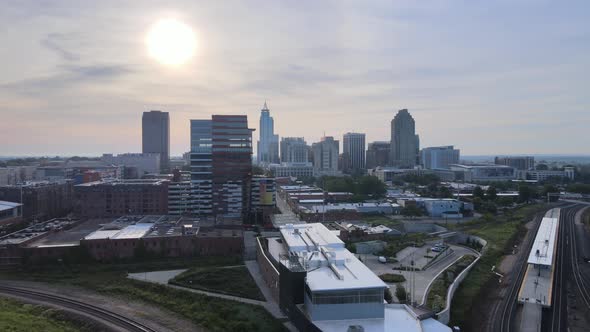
<point x="155" y="137"/>
<point x="404" y="141"/>
<point x="325" y="156"/>
<point x="268" y="143"/>
<point x="221" y="165"/>
<point x="353" y="150"/>
<point x="378" y="154"/>
<point x="294" y="150"/>
<point x="439" y="157"/>
<point x="523" y="163"/>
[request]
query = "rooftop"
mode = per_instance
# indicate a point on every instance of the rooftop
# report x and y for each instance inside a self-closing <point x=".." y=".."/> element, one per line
<point x="544" y="245"/>
<point x="4" y="205"/>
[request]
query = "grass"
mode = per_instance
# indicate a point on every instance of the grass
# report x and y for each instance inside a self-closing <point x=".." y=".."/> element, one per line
<point x="16" y="316"/>
<point x="437" y="295"/>
<point x="235" y="281"/>
<point x="214" y="314"/>
<point x="392" y="277"/>
<point x="380" y="220"/>
<point x="500" y="234"/>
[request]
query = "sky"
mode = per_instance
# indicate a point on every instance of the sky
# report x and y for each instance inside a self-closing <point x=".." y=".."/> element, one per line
<point x="490" y="77"/>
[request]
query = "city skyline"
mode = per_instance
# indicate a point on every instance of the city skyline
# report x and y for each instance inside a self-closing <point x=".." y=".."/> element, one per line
<point x="477" y="76"/>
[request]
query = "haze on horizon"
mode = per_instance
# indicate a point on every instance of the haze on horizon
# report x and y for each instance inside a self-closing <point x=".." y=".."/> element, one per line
<point x="506" y="77"/>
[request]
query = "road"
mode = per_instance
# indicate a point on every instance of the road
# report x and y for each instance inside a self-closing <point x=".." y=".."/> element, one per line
<point x="572" y="280"/>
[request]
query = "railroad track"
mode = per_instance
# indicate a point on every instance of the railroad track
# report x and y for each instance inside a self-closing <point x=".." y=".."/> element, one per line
<point x="580" y="281"/>
<point x="88" y="309"/>
<point x="509" y="304"/>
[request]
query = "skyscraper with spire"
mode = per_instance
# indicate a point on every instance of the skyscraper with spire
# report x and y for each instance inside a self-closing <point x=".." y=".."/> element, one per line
<point x="268" y="143"/>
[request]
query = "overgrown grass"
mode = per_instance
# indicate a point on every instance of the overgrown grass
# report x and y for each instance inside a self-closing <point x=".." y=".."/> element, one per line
<point x="500" y="233"/>
<point x="380" y="220"/>
<point x="212" y="313"/>
<point x="235" y="281"/>
<point x="16" y="316"/>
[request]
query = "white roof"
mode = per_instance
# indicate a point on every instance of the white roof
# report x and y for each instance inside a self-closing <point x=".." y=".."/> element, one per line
<point x="329" y="264"/>
<point x="398" y="318"/>
<point x="134" y="231"/>
<point x="101" y="235"/>
<point x="4" y="205"/>
<point x="544" y="245"/>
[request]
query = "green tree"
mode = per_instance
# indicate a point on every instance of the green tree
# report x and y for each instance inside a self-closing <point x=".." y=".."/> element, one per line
<point x="542" y="167"/>
<point x="491" y="193"/>
<point x="371" y="186"/>
<point x="387" y="295"/>
<point x="401" y="294"/>
<point x="478" y="192"/>
<point x="411" y="210"/>
<point x="525" y="193"/>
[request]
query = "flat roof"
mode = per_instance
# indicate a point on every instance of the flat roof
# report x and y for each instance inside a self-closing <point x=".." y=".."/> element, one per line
<point x="4" y="205"/>
<point x="100" y="234"/>
<point x="136" y="231"/>
<point x="398" y="318"/>
<point x="544" y="245"/>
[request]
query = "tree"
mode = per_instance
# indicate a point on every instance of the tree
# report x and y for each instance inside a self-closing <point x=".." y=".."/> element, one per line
<point x="542" y="167"/>
<point x="371" y="186"/>
<point x="491" y="193"/>
<point x="387" y="295"/>
<point x="401" y="294"/>
<point x="411" y="210"/>
<point x="257" y="170"/>
<point x="478" y="192"/>
<point x="525" y="193"/>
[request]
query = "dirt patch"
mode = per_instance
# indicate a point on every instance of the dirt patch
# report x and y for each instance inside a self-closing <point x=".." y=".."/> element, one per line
<point x="152" y="316"/>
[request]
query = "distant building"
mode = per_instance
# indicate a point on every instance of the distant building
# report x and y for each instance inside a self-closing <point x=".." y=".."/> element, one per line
<point x="10" y="213"/>
<point x="404" y="141"/>
<point x="388" y="174"/>
<point x="180" y="193"/>
<point x="143" y="163"/>
<point x="443" y="208"/>
<point x="76" y="170"/>
<point x="268" y="143"/>
<point x="296" y="170"/>
<point x="12" y="175"/>
<point x="325" y="156"/>
<point x="156" y="135"/>
<point x="378" y="154"/>
<point x="294" y="150"/>
<point x="122" y="197"/>
<point x="542" y="175"/>
<point x="41" y="200"/>
<point x="221" y="165"/>
<point x="522" y="163"/>
<point x="440" y="157"/>
<point x="353" y="150"/>
<point x="483" y="172"/>
<point x="263" y="198"/>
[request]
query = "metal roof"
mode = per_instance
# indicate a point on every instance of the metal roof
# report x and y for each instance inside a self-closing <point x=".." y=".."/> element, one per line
<point x="544" y="245"/>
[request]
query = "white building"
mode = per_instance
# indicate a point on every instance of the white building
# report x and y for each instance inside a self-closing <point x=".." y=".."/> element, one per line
<point x="145" y="163"/>
<point x="443" y="208"/>
<point x="339" y="292"/>
<point x="297" y="170"/>
<point x="486" y="172"/>
<point x="439" y="157"/>
<point x="542" y="175"/>
<point x="353" y="152"/>
<point x="12" y="175"/>
<point x="294" y="150"/>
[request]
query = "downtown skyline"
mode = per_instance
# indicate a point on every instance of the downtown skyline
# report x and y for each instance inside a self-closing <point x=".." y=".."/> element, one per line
<point x="514" y="87"/>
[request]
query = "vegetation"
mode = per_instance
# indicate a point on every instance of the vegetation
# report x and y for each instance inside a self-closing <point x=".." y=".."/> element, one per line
<point x="500" y="232"/>
<point x="395" y="244"/>
<point x="437" y="294"/>
<point x="363" y="187"/>
<point x="235" y="281"/>
<point x="392" y="277"/>
<point x="400" y="293"/>
<point x="212" y="313"/>
<point x="387" y="295"/>
<point x="412" y="210"/>
<point x="19" y="317"/>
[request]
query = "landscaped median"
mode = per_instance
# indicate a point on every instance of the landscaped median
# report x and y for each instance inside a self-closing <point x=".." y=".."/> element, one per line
<point x="437" y="293"/>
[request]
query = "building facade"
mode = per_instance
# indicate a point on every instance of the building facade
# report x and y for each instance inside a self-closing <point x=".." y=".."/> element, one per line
<point x="522" y="163"/>
<point x="378" y="154"/>
<point x="404" y="141"/>
<point x="297" y="170"/>
<point x="325" y="156"/>
<point x="123" y="197"/>
<point x="353" y="151"/>
<point x="41" y="200"/>
<point x="268" y="143"/>
<point x="221" y="165"/>
<point x="144" y="163"/>
<point x="439" y="157"/>
<point x="294" y="150"/>
<point x="483" y="173"/>
<point x="155" y="136"/>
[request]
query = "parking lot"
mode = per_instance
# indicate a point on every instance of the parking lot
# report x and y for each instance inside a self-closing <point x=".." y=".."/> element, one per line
<point x="423" y="278"/>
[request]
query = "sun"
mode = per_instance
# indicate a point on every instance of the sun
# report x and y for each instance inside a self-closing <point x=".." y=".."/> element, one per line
<point x="171" y="42"/>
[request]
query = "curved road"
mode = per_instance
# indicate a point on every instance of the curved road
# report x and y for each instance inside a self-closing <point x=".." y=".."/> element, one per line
<point x="86" y="309"/>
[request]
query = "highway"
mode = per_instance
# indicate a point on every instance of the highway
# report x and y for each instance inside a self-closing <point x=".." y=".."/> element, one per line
<point x="86" y="309"/>
<point x="568" y="273"/>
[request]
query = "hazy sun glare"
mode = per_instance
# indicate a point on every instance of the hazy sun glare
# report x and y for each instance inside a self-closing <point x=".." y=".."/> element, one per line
<point x="171" y="42"/>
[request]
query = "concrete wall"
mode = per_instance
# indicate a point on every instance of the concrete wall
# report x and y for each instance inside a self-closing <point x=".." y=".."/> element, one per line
<point x="268" y="270"/>
<point x="445" y="315"/>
